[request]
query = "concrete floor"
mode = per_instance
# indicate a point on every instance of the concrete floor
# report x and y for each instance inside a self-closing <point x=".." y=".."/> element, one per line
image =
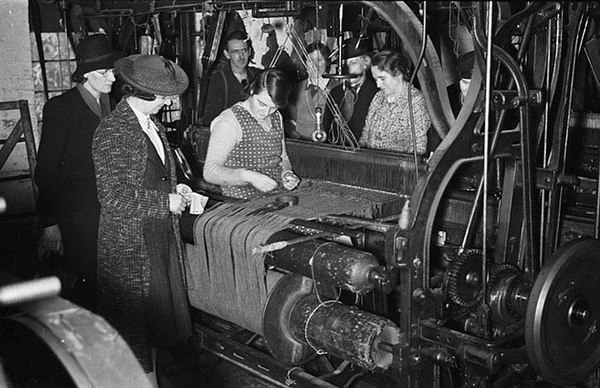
<point x="222" y="375"/>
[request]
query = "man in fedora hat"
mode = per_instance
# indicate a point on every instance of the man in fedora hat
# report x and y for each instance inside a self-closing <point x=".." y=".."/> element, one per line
<point x="355" y="94"/>
<point x="67" y="207"/>
<point x="141" y="286"/>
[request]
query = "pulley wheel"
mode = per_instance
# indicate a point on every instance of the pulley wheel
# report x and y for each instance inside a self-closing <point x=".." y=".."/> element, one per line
<point x="562" y="323"/>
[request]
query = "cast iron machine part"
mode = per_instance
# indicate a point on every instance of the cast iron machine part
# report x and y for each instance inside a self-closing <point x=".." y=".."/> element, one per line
<point x="558" y="314"/>
<point x="299" y="324"/>
<point x="331" y="263"/>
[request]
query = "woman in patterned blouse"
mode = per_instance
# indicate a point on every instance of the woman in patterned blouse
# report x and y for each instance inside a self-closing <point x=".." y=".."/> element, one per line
<point x="387" y="125"/>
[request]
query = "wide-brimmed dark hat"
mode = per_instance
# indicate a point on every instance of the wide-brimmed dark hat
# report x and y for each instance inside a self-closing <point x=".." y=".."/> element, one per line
<point x="355" y="47"/>
<point x="464" y="66"/>
<point x="152" y="74"/>
<point x="94" y="53"/>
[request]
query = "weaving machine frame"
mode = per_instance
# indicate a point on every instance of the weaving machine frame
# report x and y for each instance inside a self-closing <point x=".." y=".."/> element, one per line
<point x="469" y="291"/>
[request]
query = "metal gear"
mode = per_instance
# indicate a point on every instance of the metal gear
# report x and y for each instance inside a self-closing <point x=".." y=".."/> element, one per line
<point x="502" y="271"/>
<point x="464" y="278"/>
<point x="503" y="280"/>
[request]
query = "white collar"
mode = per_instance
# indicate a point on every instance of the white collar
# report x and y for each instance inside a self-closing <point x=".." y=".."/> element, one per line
<point x="142" y="118"/>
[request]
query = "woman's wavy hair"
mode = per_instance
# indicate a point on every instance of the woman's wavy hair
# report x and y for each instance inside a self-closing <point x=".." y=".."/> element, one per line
<point x="393" y="62"/>
<point x="78" y="79"/>
<point x="130" y="90"/>
<point x="275" y="82"/>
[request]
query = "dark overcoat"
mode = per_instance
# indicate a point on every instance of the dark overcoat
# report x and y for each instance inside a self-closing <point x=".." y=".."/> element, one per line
<point x="65" y="171"/>
<point x="120" y="152"/>
<point x="66" y="183"/>
<point x="361" y="107"/>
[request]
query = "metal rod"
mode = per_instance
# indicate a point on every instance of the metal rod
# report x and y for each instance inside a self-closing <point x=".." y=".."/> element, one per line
<point x="340" y="39"/>
<point x="486" y="142"/>
<point x="286" y="243"/>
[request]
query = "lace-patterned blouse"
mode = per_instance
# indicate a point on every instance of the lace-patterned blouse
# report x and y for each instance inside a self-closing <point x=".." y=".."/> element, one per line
<point x="387" y="125"/>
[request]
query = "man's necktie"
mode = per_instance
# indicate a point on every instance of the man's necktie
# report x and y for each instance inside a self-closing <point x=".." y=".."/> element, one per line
<point x="348" y="102"/>
<point x="312" y="90"/>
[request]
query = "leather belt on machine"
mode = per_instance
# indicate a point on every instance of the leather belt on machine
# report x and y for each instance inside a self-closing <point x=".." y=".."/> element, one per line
<point x="80" y="347"/>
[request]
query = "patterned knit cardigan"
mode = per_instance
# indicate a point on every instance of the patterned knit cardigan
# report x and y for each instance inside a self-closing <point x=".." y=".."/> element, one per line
<point x="120" y="154"/>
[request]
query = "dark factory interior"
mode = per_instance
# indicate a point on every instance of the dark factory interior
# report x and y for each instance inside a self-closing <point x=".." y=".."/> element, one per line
<point x="290" y="194"/>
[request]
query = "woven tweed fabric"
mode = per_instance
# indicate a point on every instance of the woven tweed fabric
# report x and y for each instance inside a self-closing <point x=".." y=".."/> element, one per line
<point x="317" y="198"/>
<point x="225" y="278"/>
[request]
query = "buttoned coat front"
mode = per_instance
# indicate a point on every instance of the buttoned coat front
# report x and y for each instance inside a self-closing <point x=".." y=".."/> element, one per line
<point x="120" y="153"/>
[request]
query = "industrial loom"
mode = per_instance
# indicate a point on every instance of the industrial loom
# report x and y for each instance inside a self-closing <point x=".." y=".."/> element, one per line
<point x="474" y="267"/>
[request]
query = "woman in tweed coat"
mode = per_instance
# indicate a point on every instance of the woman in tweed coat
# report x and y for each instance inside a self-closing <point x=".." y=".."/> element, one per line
<point x="141" y="281"/>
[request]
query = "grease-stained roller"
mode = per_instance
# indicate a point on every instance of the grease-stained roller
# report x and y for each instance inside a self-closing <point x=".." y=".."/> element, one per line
<point x="328" y="262"/>
<point x="297" y="323"/>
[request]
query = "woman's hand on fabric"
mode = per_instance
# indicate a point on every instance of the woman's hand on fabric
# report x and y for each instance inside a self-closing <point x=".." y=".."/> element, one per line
<point x="260" y="181"/>
<point x="177" y="203"/>
<point x="290" y="180"/>
<point x="50" y="241"/>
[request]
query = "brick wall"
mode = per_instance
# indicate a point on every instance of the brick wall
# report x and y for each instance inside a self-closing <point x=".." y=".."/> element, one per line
<point x="16" y="83"/>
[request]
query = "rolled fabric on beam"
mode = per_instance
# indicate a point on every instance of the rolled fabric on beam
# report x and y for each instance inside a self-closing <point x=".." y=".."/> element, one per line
<point x="297" y="324"/>
<point x="328" y="262"/>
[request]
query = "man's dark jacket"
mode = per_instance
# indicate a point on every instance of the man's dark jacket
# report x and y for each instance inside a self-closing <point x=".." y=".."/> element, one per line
<point x="361" y="107"/>
<point x="65" y="171"/>
<point x="224" y="90"/>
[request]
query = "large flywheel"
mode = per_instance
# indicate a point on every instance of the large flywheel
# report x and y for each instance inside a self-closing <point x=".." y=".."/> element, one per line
<point x="562" y="323"/>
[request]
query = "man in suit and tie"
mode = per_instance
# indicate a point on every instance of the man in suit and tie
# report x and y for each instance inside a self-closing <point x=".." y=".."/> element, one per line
<point x="354" y="96"/>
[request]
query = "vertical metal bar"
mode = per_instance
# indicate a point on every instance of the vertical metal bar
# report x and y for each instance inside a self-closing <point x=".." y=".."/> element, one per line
<point x="547" y="86"/>
<point x="340" y="38"/>
<point x="486" y="141"/>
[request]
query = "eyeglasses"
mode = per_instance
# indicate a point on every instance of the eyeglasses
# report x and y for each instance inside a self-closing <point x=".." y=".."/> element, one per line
<point x="105" y="73"/>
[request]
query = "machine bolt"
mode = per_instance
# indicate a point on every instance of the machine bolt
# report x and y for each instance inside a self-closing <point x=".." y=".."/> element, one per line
<point x="441" y="238"/>
<point x="417" y="263"/>
<point x="419" y="294"/>
<point x="415" y="358"/>
<point x="472" y="278"/>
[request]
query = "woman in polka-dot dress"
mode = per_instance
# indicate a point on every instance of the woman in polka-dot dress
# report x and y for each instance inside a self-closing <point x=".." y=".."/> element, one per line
<point x="246" y="151"/>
